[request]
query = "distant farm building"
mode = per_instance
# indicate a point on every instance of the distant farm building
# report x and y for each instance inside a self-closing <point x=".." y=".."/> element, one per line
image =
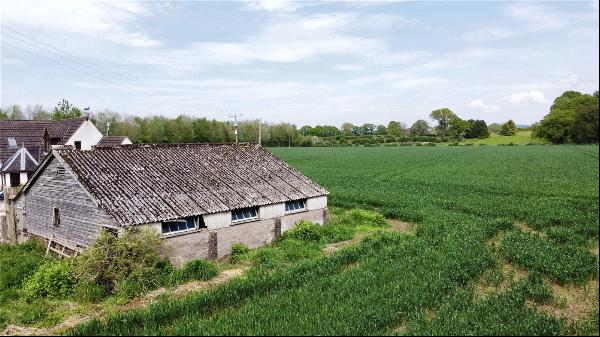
<point x="25" y="143"/>
<point x="200" y="198"/>
<point x="114" y="141"/>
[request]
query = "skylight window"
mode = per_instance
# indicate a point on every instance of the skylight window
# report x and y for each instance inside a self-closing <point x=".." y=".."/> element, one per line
<point x="12" y="142"/>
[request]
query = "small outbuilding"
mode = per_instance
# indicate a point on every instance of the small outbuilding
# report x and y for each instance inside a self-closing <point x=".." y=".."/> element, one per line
<point x="200" y="198"/>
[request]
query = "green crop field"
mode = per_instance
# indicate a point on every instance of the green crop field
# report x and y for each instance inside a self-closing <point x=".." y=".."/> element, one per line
<point x="506" y="243"/>
<point x="521" y="138"/>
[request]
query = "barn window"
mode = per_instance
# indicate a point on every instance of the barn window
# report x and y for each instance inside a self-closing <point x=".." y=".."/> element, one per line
<point x="182" y="225"/>
<point x="295" y="205"/>
<point x="55" y="217"/>
<point x="78" y="144"/>
<point x="244" y="214"/>
<point x="60" y="171"/>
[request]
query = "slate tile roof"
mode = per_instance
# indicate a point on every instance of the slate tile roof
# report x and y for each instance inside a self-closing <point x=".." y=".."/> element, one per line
<point x="30" y="133"/>
<point x="139" y="184"/>
<point x="111" y="140"/>
<point x="20" y="161"/>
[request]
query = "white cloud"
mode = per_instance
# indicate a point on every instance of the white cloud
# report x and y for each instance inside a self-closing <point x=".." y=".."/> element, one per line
<point x="533" y="96"/>
<point x="400" y="80"/>
<point x="481" y="105"/>
<point x="109" y="20"/>
<point x="286" y="39"/>
<point x="488" y="33"/>
<point x="537" y="17"/>
<point x="273" y="5"/>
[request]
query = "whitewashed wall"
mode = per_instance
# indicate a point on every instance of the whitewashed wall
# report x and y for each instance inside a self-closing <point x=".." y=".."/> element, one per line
<point x="88" y="134"/>
<point x="23" y="178"/>
<point x="316" y="203"/>
<point x="272" y="211"/>
<point x="217" y="220"/>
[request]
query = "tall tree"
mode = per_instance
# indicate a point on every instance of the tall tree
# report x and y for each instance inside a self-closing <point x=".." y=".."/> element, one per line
<point x="459" y="128"/>
<point x="347" y="128"/>
<point x="557" y="125"/>
<point x="509" y="128"/>
<point x="419" y="128"/>
<point x="585" y="125"/>
<point x="37" y="112"/>
<point x="394" y="128"/>
<point x="443" y="117"/>
<point x="65" y="110"/>
<point x="381" y="130"/>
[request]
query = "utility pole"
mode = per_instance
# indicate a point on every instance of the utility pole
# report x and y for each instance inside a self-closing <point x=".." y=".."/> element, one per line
<point x="235" y="125"/>
<point x="107" y="129"/>
<point x="260" y="132"/>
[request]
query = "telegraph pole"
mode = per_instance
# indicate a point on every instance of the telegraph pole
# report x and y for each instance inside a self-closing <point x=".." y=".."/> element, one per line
<point x="235" y="125"/>
<point x="260" y="132"/>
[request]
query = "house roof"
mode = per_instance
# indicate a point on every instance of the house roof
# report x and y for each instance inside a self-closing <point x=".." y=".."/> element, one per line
<point x="139" y="184"/>
<point x="112" y="140"/>
<point x="30" y="133"/>
<point x="20" y="161"/>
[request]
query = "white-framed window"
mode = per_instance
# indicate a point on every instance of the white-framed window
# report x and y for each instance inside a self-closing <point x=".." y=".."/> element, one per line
<point x="295" y="205"/>
<point x="181" y="225"/>
<point x="244" y="214"/>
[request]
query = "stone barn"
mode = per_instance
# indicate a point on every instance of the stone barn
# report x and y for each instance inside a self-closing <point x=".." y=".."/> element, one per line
<point x="201" y="198"/>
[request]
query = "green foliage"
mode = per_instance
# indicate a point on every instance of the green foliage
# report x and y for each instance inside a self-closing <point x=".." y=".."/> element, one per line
<point x="65" y="110"/>
<point x="199" y="269"/>
<point x="419" y="128"/>
<point x="18" y="262"/>
<point x="135" y="255"/>
<point x="564" y="264"/>
<point x="509" y="128"/>
<point x="573" y="118"/>
<point x="52" y="279"/>
<point x="585" y="125"/>
<point x="536" y="289"/>
<point x="443" y="117"/>
<point x="88" y="292"/>
<point x="304" y="231"/>
<point x="238" y="252"/>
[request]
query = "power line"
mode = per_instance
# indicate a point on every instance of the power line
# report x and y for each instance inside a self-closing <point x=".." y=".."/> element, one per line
<point x="117" y="79"/>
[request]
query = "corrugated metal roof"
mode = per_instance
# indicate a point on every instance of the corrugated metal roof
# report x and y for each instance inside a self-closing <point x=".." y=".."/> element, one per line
<point x="139" y="184"/>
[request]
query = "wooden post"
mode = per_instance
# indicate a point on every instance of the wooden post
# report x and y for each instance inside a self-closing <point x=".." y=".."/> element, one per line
<point x="213" y="252"/>
<point x="49" y="244"/>
<point x="277" y="228"/>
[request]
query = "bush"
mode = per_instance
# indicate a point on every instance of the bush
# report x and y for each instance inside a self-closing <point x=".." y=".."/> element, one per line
<point x="88" y="292"/>
<point x="194" y="270"/>
<point x="18" y="262"/>
<point x="52" y="279"/>
<point x="135" y="255"/>
<point x="238" y="251"/>
<point x="305" y="231"/>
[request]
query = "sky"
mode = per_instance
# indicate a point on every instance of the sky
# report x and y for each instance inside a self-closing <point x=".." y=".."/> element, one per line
<point x="304" y="62"/>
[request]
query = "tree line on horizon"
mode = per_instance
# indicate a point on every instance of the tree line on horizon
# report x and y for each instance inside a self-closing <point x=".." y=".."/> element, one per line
<point x="573" y="118"/>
